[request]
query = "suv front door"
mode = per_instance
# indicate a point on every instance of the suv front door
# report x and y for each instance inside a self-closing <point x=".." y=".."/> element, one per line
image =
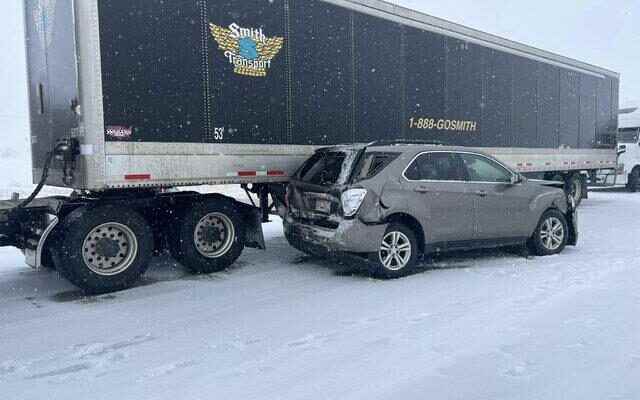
<point x="437" y="195"/>
<point x="501" y="206"/>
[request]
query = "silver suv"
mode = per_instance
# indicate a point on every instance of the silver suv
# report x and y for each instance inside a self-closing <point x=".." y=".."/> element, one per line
<point x="391" y="204"/>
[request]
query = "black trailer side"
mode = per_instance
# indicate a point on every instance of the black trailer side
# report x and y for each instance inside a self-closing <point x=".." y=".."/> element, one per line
<point x="336" y="76"/>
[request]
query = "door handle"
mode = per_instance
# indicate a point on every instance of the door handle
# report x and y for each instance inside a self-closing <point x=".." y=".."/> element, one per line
<point x="421" y="189"/>
<point x="482" y="193"/>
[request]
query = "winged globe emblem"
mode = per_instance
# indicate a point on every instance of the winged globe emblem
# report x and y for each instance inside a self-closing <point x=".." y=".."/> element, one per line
<point x="249" y="50"/>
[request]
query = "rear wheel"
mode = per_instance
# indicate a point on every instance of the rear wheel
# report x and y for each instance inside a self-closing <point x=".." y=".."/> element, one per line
<point x="208" y="237"/>
<point x="398" y="253"/>
<point x="103" y="249"/>
<point x="575" y="187"/>
<point x="551" y="235"/>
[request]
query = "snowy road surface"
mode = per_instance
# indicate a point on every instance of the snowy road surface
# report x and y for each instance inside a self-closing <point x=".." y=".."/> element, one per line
<point x="482" y="325"/>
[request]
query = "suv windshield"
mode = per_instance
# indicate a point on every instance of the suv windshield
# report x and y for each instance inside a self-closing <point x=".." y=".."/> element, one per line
<point x="628" y="136"/>
<point x="328" y="168"/>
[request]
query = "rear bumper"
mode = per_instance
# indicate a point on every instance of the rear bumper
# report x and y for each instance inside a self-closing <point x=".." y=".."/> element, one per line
<point x="351" y="236"/>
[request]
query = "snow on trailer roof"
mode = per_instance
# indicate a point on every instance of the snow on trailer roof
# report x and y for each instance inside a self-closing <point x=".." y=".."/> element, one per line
<point x="424" y="21"/>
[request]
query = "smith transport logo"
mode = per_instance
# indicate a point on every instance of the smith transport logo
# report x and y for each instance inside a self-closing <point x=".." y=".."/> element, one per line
<point x="249" y="50"/>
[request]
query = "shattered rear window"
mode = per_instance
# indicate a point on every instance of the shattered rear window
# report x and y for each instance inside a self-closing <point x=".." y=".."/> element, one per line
<point x="327" y="168"/>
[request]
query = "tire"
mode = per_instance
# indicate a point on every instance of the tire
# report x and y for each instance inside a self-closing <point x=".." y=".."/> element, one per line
<point x="633" y="183"/>
<point x="543" y="243"/>
<point x="47" y="259"/>
<point x="123" y="244"/>
<point x="575" y="187"/>
<point x="381" y="266"/>
<point x="208" y="255"/>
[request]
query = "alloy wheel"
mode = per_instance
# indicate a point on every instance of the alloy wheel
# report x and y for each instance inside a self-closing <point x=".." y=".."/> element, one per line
<point x="395" y="251"/>
<point x="552" y="233"/>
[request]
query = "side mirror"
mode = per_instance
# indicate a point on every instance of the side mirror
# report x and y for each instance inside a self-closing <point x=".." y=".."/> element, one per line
<point x="516" y="178"/>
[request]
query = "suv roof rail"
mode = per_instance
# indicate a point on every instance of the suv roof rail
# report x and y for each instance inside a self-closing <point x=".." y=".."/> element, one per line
<point x="405" y="141"/>
<point x="379" y="143"/>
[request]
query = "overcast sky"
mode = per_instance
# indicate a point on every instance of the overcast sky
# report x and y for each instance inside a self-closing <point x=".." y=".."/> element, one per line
<point x="605" y="33"/>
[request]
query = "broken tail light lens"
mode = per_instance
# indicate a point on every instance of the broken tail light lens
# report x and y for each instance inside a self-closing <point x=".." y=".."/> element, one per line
<point x="351" y="200"/>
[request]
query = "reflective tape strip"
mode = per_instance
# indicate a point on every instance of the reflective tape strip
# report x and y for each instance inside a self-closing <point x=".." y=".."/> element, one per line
<point x="137" y="177"/>
<point x="248" y="174"/>
<point x="244" y="174"/>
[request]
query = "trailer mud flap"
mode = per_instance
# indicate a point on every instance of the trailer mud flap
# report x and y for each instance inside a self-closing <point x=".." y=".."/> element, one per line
<point x="574" y="234"/>
<point x="253" y="234"/>
<point x="34" y="254"/>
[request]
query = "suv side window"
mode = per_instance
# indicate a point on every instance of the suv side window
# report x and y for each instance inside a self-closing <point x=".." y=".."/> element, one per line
<point x="482" y="169"/>
<point x="437" y="166"/>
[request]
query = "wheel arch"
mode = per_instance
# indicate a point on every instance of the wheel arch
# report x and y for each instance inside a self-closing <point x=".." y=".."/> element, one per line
<point x="413" y="224"/>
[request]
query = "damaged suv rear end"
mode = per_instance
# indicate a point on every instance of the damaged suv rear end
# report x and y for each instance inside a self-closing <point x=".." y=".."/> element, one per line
<point x="390" y="204"/>
<point x="330" y="209"/>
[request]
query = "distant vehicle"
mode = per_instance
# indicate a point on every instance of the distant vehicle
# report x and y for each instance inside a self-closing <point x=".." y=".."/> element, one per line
<point x="392" y="204"/>
<point x="629" y="149"/>
<point x="130" y="98"/>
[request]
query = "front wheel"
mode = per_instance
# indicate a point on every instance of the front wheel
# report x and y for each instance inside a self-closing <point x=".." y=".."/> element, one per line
<point x="208" y="237"/>
<point x="551" y="235"/>
<point x="103" y="249"/>
<point x="398" y="253"/>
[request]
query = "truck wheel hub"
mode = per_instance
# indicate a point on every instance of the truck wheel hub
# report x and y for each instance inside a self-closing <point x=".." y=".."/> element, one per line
<point x="214" y="235"/>
<point x="110" y="249"/>
<point x="107" y="248"/>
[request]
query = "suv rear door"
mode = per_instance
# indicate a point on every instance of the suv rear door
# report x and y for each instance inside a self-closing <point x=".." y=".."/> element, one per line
<point x="437" y="194"/>
<point x="501" y="206"/>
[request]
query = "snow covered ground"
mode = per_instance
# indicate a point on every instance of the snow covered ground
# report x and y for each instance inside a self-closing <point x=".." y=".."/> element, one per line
<point x="480" y="325"/>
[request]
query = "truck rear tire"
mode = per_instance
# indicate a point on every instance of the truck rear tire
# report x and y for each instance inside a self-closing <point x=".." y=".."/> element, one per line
<point x="103" y="249"/>
<point x="575" y="186"/>
<point x="208" y="237"/>
<point x="633" y="183"/>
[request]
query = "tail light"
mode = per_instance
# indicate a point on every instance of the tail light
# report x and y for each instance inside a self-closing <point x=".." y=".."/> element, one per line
<point x="352" y="200"/>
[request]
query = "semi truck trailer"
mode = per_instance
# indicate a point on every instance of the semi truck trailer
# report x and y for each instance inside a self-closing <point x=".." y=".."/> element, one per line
<point x="132" y="103"/>
<point x="629" y="149"/>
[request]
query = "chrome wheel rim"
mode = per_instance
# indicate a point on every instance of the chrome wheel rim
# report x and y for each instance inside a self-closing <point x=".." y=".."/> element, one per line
<point x="214" y="235"/>
<point x="552" y="233"/>
<point x="395" y="251"/>
<point x="110" y="249"/>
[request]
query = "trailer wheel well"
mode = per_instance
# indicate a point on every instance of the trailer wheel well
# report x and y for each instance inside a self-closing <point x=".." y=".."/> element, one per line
<point x="413" y="224"/>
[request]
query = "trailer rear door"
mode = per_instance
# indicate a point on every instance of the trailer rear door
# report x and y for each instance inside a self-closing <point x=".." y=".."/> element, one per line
<point x="53" y="76"/>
